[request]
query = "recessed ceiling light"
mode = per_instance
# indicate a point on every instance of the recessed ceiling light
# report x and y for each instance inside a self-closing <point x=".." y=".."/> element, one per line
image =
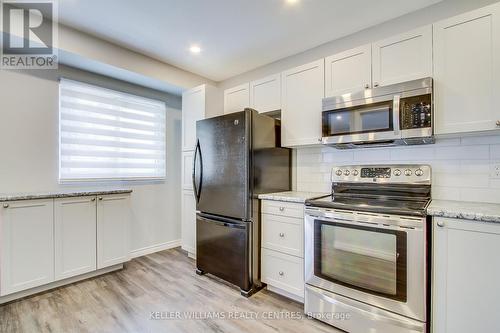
<point x="292" y="2"/>
<point x="195" y="49"/>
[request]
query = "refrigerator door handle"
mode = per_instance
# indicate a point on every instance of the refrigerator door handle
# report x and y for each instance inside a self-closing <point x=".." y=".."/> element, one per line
<point x="194" y="169"/>
<point x="197" y="189"/>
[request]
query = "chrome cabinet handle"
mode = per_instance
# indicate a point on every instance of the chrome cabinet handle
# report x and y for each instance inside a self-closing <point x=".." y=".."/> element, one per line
<point x="100" y="198"/>
<point x="282" y="209"/>
<point x="367" y="86"/>
<point x="375" y="84"/>
<point x="93" y="199"/>
<point x="281" y="273"/>
<point x="498" y="123"/>
<point x="440" y="224"/>
<point x="6" y="206"/>
<point x="282" y="235"/>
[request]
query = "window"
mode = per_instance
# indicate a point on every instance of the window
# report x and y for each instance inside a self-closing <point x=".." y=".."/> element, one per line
<point x="107" y="135"/>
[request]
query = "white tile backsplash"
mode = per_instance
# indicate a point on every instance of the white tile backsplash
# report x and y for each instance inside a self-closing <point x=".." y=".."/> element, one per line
<point x="461" y="166"/>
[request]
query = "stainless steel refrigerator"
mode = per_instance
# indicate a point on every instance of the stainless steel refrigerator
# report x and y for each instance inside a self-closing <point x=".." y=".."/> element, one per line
<point x="237" y="157"/>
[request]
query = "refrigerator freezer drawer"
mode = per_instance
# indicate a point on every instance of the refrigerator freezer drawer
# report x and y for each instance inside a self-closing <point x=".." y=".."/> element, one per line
<point x="222" y="250"/>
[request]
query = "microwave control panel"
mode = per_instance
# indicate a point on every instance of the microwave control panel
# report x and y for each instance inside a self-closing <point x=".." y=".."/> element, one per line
<point x="416" y="112"/>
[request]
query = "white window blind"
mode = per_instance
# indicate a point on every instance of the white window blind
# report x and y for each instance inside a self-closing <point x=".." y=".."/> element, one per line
<point x="106" y="134"/>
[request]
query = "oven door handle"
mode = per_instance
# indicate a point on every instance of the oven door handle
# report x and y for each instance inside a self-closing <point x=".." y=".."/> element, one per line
<point x="395" y="225"/>
<point x="396" y="110"/>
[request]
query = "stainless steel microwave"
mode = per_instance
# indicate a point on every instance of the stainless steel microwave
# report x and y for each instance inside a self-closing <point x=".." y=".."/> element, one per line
<point x="399" y="114"/>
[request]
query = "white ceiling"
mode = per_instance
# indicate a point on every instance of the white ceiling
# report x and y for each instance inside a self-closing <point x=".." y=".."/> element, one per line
<point x="235" y="35"/>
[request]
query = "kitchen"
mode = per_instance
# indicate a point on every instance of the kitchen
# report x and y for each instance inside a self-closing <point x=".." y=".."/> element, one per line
<point x="379" y="138"/>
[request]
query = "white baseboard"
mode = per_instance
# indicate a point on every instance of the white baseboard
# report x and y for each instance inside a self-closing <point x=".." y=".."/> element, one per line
<point x="285" y="293"/>
<point x="155" y="248"/>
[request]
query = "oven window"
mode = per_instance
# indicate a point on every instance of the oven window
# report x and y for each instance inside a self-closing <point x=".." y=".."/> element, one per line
<point x="360" y="119"/>
<point x="365" y="258"/>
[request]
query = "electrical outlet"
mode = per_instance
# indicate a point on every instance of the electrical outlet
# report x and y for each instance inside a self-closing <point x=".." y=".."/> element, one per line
<point x="495" y="170"/>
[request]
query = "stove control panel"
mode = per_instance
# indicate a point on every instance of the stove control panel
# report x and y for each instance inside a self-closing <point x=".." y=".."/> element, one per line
<point x="382" y="174"/>
<point x="375" y="172"/>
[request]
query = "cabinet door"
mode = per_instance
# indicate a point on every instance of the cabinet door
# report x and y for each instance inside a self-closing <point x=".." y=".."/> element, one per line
<point x="403" y="57"/>
<point x="193" y="109"/>
<point x="113" y="223"/>
<point x="237" y="98"/>
<point x="187" y="170"/>
<point x="265" y="94"/>
<point x="348" y="71"/>
<point x="467" y="72"/>
<point x="188" y="229"/>
<point x="303" y="90"/>
<point x="283" y="271"/>
<point x="27" y="245"/>
<point x="75" y="236"/>
<point x="466" y="274"/>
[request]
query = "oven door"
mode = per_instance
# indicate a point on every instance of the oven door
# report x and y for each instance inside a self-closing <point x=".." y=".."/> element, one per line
<point x="375" y="259"/>
<point x="367" y="120"/>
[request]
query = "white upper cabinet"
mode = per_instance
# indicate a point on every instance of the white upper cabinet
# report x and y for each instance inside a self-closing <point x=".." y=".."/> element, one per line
<point x="198" y="103"/>
<point x="404" y="57"/>
<point x="237" y="98"/>
<point x="75" y="236"/>
<point x="348" y="71"/>
<point x="26" y="245"/>
<point x="265" y="94"/>
<point x="302" y="93"/>
<point x="193" y="109"/>
<point x="466" y="271"/>
<point x="467" y="71"/>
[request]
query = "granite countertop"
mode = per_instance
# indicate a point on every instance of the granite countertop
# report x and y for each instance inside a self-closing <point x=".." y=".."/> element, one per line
<point x="60" y="194"/>
<point x="292" y="196"/>
<point x="477" y="211"/>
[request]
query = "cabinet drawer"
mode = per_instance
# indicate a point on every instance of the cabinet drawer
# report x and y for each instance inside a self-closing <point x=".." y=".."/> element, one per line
<point x="283" y="208"/>
<point x="283" y="271"/>
<point x="284" y="234"/>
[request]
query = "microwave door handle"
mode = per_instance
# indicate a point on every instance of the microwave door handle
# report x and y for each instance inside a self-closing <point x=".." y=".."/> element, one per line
<point x="396" y="110"/>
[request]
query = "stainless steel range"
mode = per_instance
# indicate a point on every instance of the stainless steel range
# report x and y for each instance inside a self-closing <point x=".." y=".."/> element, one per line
<point x="367" y="248"/>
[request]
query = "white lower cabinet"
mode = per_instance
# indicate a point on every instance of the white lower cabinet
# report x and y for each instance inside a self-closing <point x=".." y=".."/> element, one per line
<point x="283" y="271"/>
<point x="75" y="236"/>
<point x="26" y="245"/>
<point x="466" y="275"/>
<point x="45" y="241"/>
<point x="282" y="233"/>
<point x="282" y="252"/>
<point x="113" y="224"/>
<point x="188" y="234"/>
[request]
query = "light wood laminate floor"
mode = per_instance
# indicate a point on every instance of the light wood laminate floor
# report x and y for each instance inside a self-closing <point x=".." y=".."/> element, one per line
<point x="146" y="296"/>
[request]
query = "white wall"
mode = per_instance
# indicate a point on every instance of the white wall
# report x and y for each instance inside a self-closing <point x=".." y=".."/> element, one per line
<point x="29" y="157"/>
<point x="460" y="166"/>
